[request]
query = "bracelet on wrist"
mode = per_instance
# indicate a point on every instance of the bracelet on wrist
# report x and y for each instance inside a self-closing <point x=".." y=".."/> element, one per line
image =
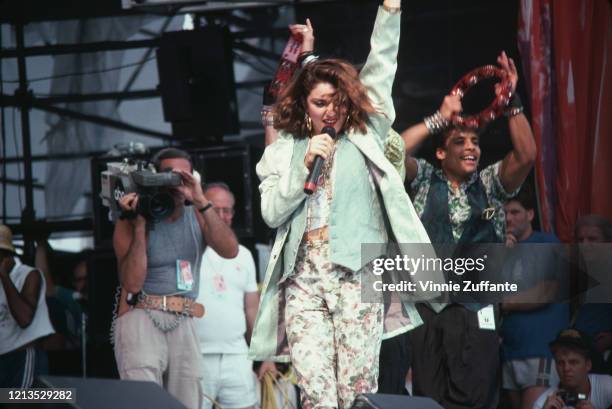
<point x="267" y="117"/>
<point x="509" y="113"/>
<point x="436" y="123"/>
<point x="205" y="208"/>
<point x="515" y="101"/>
<point x="515" y="106"/>
<point x="309" y="59"/>
<point x="306" y="58"/>
<point x="303" y="55"/>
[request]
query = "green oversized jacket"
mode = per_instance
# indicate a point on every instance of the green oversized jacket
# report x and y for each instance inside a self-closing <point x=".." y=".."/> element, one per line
<point x="283" y="174"/>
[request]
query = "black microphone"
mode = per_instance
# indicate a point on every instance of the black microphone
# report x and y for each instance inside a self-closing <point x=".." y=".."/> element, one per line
<point x="311" y="183"/>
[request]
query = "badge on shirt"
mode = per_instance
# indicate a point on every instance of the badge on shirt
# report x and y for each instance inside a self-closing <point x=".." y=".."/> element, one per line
<point x="488" y="213"/>
<point x="486" y="318"/>
<point x="184" y="277"/>
<point x="219" y="283"/>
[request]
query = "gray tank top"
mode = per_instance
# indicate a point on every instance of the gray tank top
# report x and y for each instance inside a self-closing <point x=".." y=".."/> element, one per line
<point x="168" y="242"/>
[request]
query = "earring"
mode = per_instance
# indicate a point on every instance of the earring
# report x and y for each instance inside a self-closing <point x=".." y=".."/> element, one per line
<point x="308" y="121"/>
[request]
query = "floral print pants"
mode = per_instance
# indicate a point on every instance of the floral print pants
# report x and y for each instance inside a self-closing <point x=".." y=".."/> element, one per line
<point x="334" y="338"/>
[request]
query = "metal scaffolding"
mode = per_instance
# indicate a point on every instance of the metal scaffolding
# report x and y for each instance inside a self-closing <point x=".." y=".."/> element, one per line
<point x="25" y="100"/>
<point x="438" y="69"/>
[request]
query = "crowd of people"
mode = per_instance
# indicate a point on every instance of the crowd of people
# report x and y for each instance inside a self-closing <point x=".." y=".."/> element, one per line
<point x="190" y="316"/>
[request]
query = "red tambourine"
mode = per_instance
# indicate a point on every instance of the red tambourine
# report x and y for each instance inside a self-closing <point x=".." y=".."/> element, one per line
<point x="498" y="105"/>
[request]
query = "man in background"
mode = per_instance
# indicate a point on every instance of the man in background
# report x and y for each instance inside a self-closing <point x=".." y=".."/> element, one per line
<point x="528" y="327"/>
<point x="576" y="388"/>
<point x="228" y="289"/>
<point x="23" y="317"/>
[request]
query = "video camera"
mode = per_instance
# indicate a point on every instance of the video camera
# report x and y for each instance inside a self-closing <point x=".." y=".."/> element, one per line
<point x="155" y="200"/>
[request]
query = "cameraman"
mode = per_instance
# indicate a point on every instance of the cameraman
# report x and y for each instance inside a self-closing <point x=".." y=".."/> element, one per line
<point x="155" y="336"/>
<point x="577" y="388"/>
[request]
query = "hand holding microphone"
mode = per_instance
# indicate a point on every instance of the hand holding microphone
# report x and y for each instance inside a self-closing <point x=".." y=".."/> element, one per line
<point x="319" y="149"/>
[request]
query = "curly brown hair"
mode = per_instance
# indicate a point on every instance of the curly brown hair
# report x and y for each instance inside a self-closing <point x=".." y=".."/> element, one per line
<point x="290" y="110"/>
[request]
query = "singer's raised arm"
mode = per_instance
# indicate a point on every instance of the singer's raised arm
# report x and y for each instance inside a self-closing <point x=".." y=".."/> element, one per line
<point x="378" y="73"/>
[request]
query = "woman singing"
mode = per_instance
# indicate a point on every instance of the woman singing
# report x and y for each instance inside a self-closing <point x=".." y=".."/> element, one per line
<point x="311" y="305"/>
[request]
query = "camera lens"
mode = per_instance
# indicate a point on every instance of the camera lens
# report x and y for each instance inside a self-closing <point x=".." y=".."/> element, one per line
<point x="157" y="206"/>
<point x="161" y="206"/>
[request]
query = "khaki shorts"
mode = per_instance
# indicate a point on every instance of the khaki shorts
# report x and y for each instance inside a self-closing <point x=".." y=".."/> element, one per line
<point x="172" y="359"/>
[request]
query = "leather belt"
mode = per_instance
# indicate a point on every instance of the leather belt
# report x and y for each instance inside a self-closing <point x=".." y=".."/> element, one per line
<point x="172" y="303"/>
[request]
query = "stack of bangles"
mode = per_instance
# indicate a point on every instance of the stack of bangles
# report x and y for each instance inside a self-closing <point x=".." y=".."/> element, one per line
<point x="436" y="123"/>
<point x="267" y="117"/>
<point x="306" y="58"/>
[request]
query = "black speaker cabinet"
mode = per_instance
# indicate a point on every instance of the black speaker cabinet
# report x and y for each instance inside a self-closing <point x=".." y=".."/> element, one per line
<point x="196" y="80"/>
<point x="383" y="401"/>
<point x="235" y="166"/>
<point x="92" y="393"/>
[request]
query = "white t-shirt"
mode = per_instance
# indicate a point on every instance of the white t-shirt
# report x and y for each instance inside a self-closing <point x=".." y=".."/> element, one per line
<point x="223" y="284"/>
<point x="600" y="397"/>
<point x="12" y="336"/>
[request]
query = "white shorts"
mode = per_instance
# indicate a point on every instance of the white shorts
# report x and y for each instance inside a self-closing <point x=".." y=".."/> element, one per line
<point x="228" y="379"/>
<point x="520" y="374"/>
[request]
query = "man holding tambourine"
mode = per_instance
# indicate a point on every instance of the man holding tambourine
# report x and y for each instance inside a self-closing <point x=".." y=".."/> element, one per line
<point x="456" y="351"/>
